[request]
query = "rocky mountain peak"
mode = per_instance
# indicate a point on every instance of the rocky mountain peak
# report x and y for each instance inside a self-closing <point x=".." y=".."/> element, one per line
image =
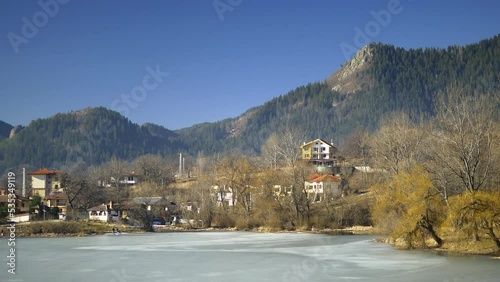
<point x="15" y="131"/>
<point x="345" y="80"/>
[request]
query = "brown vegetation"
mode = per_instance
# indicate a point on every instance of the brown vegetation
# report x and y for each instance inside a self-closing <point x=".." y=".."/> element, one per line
<point x="441" y="187"/>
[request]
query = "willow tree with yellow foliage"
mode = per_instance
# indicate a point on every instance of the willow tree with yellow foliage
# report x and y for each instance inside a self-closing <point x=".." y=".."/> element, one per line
<point x="408" y="208"/>
<point x="465" y="163"/>
<point x="471" y="213"/>
<point x="442" y="178"/>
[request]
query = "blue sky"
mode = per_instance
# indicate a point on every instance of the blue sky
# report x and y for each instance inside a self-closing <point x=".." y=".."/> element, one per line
<point x="179" y="63"/>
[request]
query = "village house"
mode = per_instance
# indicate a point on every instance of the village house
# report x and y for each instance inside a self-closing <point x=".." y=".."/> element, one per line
<point x="47" y="184"/>
<point x="282" y="190"/>
<point x="158" y="207"/>
<point x="191" y="206"/>
<point x="57" y="200"/>
<point x="224" y="195"/>
<point x="129" y="179"/>
<point x="322" y="155"/>
<point x="320" y="186"/>
<point x="22" y="206"/>
<point x="107" y="212"/>
<point x="153" y="202"/>
<point x="45" y="181"/>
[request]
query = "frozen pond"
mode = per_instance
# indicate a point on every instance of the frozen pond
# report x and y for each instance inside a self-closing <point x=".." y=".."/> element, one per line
<point x="233" y="256"/>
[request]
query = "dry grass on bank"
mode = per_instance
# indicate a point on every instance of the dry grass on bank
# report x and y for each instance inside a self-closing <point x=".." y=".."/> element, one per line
<point x="56" y="228"/>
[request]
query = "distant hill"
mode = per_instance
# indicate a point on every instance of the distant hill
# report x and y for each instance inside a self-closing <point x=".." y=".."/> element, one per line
<point x="5" y="129"/>
<point x="378" y="80"/>
<point x="92" y="135"/>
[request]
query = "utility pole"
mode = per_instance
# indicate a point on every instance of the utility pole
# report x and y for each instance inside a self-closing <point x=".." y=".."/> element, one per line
<point x="180" y="165"/>
<point x="24" y="182"/>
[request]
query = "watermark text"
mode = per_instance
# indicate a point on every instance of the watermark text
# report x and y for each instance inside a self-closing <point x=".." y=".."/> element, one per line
<point x="11" y="209"/>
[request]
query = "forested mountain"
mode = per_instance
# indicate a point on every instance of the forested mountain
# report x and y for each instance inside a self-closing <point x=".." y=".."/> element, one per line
<point x="380" y="79"/>
<point x="92" y="135"/>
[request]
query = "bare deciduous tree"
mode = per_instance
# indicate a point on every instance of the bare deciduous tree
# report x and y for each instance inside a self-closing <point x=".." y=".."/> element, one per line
<point x="239" y="174"/>
<point x="463" y="142"/>
<point x="398" y="145"/>
<point x="81" y="188"/>
<point x="271" y="152"/>
<point x="154" y="169"/>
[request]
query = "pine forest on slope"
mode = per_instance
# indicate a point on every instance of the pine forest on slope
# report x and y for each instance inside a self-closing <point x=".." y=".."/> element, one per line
<point x="379" y="80"/>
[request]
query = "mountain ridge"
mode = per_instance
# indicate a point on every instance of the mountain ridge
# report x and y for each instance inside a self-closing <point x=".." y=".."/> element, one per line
<point x="378" y="80"/>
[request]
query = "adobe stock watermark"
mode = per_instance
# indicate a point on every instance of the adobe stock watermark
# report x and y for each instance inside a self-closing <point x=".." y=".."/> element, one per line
<point x="123" y="277"/>
<point x="30" y="28"/>
<point x="223" y="6"/>
<point x="311" y="265"/>
<point x="124" y="105"/>
<point x="11" y="210"/>
<point x="364" y="35"/>
<point x="150" y="82"/>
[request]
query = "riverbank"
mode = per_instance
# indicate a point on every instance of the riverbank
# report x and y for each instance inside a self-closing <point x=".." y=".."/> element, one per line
<point x="452" y="245"/>
<point x="85" y="228"/>
<point x="57" y="228"/>
<point x="354" y="230"/>
<point x="481" y="247"/>
<point x="205" y="256"/>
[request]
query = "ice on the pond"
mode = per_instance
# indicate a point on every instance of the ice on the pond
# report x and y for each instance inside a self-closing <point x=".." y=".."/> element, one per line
<point x="236" y="256"/>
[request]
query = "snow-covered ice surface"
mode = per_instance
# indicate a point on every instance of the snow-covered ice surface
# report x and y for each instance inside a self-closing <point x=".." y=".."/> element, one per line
<point x="233" y="256"/>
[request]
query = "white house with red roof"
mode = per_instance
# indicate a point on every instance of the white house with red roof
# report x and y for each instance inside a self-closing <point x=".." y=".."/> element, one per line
<point x="319" y="187"/>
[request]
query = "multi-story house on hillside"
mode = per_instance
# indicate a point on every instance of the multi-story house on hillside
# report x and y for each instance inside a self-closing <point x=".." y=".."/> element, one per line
<point x="128" y="179"/>
<point x="322" y="155"/>
<point x="45" y="181"/>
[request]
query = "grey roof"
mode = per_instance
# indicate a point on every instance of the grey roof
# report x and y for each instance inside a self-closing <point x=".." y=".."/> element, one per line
<point x="99" y="208"/>
<point x="150" y="201"/>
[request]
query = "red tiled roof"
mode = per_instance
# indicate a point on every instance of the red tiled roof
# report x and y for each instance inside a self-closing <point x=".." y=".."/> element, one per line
<point x="44" y="171"/>
<point x="313" y="176"/>
<point x="323" y="178"/>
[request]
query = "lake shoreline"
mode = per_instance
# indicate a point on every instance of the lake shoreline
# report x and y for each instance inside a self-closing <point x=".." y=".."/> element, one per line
<point x="451" y="246"/>
<point x="457" y="247"/>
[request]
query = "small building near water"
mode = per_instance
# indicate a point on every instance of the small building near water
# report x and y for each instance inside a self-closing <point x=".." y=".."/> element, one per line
<point x="104" y="213"/>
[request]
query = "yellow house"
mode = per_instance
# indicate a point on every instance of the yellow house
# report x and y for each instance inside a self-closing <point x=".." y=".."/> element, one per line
<point x="45" y="181"/>
<point x="318" y="149"/>
<point x="322" y="155"/>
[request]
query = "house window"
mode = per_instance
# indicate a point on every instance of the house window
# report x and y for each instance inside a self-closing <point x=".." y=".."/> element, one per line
<point x="323" y="148"/>
<point x="130" y="178"/>
<point x="56" y="186"/>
